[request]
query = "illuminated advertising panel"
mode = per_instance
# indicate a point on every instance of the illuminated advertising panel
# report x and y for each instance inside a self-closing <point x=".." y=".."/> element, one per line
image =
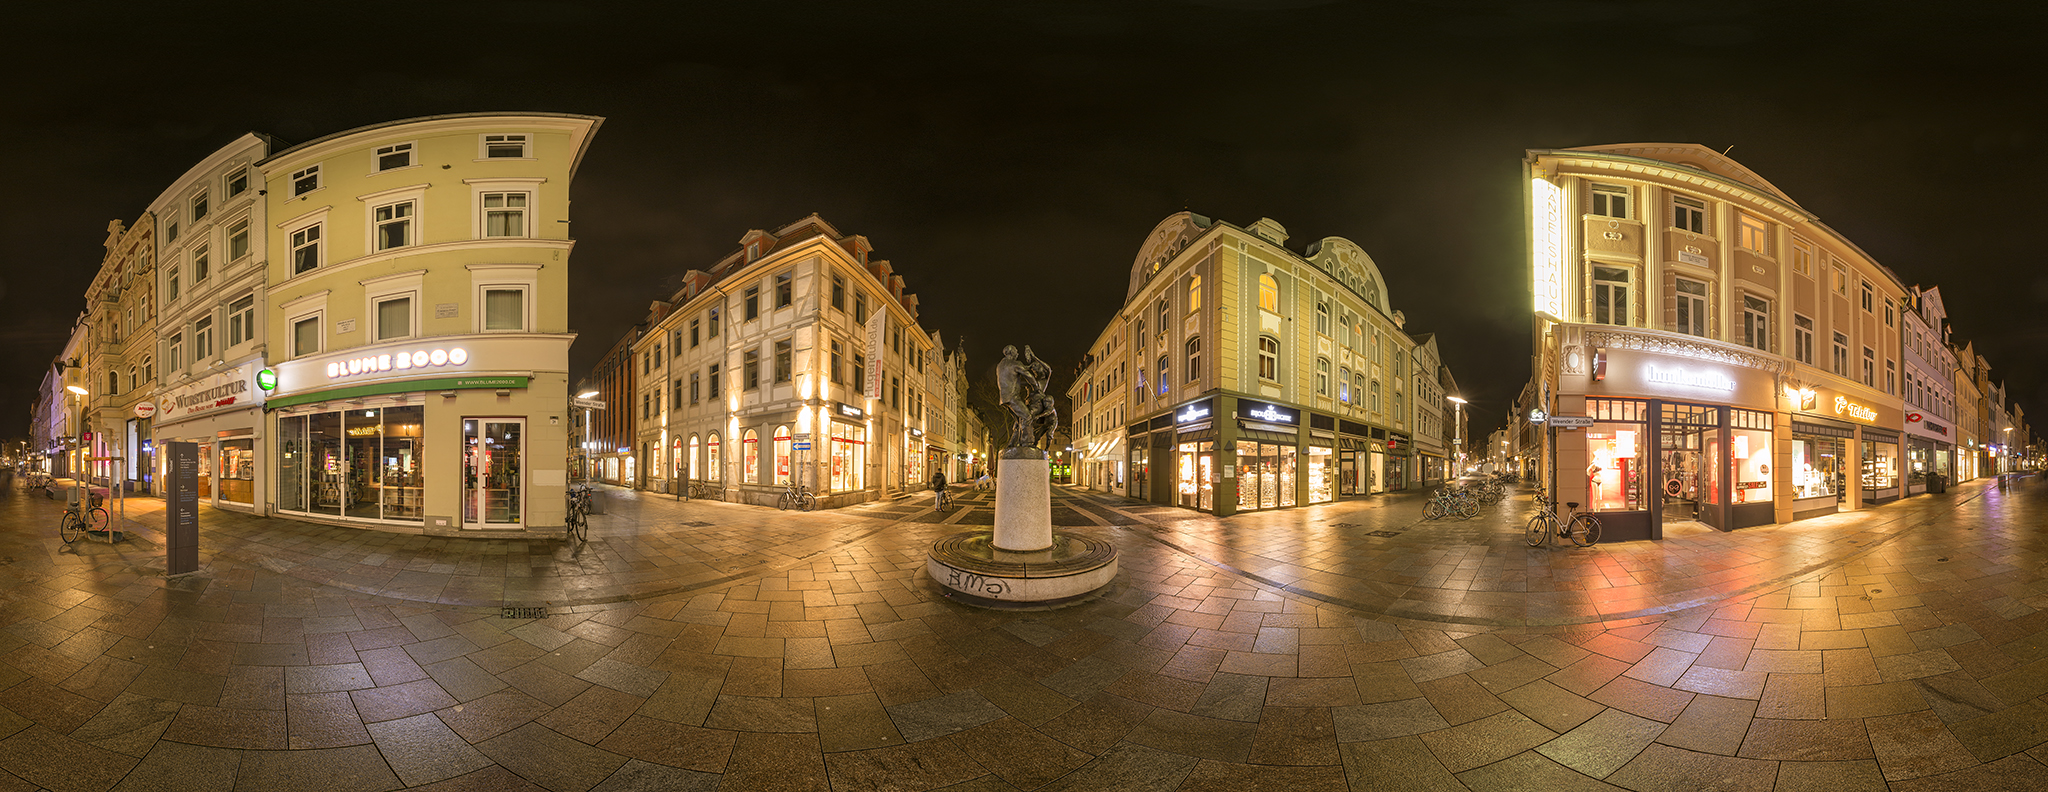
<point x="1546" y="210"/>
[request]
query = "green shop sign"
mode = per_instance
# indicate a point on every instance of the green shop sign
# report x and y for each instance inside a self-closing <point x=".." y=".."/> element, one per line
<point x="402" y="386"/>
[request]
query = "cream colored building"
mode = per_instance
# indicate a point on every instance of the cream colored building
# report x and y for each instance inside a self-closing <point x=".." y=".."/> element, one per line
<point x="1739" y="357"/>
<point x="120" y="340"/>
<point x="416" y="318"/>
<point x="1241" y="374"/>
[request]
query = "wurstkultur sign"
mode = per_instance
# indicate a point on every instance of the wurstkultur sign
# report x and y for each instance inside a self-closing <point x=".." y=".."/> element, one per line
<point x="233" y="388"/>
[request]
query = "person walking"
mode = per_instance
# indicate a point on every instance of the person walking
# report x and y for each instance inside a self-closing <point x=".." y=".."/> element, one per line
<point x="939" y="498"/>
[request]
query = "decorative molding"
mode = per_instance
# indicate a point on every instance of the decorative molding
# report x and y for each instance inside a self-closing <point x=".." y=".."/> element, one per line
<point x="1685" y="346"/>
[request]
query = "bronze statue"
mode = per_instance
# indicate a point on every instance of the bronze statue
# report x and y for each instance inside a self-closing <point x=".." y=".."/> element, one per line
<point x="1023" y="387"/>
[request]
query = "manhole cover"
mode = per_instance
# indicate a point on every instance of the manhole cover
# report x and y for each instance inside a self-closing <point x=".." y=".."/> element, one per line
<point x="525" y="612"/>
<point x="1343" y="525"/>
<point x="1944" y="558"/>
<point x="1384" y="533"/>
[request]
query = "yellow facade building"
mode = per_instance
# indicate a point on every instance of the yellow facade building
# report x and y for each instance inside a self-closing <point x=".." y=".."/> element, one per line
<point x="417" y="322"/>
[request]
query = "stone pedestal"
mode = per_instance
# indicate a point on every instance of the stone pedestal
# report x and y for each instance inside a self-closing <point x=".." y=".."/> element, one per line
<point x="1023" y="563"/>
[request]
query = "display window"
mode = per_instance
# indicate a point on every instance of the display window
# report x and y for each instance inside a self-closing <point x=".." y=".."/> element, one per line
<point x="360" y="464"/>
<point x="206" y="471"/>
<point x="493" y="475"/>
<point x="1322" y="474"/>
<point x="1749" y="451"/>
<point x="714" y="460"/>
<point x="782" y="449"/>
<point x="1880" y="466"/>
<point x="1614" y="474"/>
<point x="849" y="454"/>
<point x="238" y="471"/>
<point x="1141" y="469"/>
<point x="1396" y="476"/>
<point x="1266" y="475"/>
<point x="1196" y="475"/>
<point x="750" y="457"/>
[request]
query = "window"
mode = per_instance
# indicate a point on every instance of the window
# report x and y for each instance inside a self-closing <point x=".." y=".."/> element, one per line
<point x="751" y="369"/>
<point x="1869" y="366"/>
<point x="1610" y="295"/>
<point x="238" y="240"/>
<point x="305" y="180"/>
<point x="1344" y="389"/>
<point x="693" y="333"/>
<point x="838" y="362"/>
<point x="1322" y="376"/>
<point x="860" y="307"/>
<point x="148" y="369"/>
<point x="171" y="286"/>
<point x="1689" y="214"/>
<point x="1194" y="355"/>
<point x="504" y="214"/>
<point x="712" y="332"/>
<point x="1752" y="234"/>
<point x="1802" y="339"/>
<point x="1802" y="257"/>
<point x="1269" y="294"/>
<point x="306" y="336"/>
<point x="750" y="456"/>
<point x="675" y="402"/>
<point x="1269" y="358"/>
<point x="394" y="156"/>
<point x="860" y="371"/>
<point x="242" y="320"/>
<point x="174" y="354"/>
<point x="714" y="381"/>
<point x="838" y="293"/>
<point x="895" y="392"/>
<point x="1358" y="387"/>
<point x="1163" y="380"/>
<point x="1841" y="281"/>
<point x="751" y="304"/>
<point x="305" y="249"/>
<point x="199" y="207"/>
<point x="1165" y="310"/>
<point x="782" y="446"/>
<point x="1869" y="304"/>
<point x="1891" y="312"/>
<point x="1891" y="376"/>
<point x="1323" y="316"/>
<point x="1610" y="200"/>
<point x="1692" y="307"/>
<point x="694" y="384"/>
<point x="783" y="290"/>
<point x="202" y="339"/>
<point x="505" y="309"/>
<point x="782" y="361"/>
<point x="170" y="231"/>
<point x="394" y="318"/>
<point x="393" y="225"/>
<point x="1841" y="354"/>
<point x="238" y="182"/>
<point x="1373" y="396"/>
<point x="1194" y="293"/>
<point x="201" y="266"/>
<point x="646" y="407"/>
<point x="505" y="147"/>
<point x="1756" y="322"/>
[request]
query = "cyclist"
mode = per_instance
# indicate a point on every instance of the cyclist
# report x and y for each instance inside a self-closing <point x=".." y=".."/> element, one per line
<point x="939" y="498"/>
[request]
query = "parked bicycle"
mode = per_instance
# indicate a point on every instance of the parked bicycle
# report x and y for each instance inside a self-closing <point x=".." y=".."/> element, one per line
<point x="1449" y="502"/>
<point x="700" y="488"/>
<point x="1581" y="528"/>
<point x="578" y="521"/>
<point x="798" y="497"/>
<point x="80" y="517"/>
<point x="942" y="500"/>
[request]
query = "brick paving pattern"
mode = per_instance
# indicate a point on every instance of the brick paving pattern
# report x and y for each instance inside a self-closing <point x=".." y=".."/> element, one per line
<point x="700" y="645"/>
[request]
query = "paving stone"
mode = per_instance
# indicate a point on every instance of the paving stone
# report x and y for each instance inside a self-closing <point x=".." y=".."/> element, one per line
<point x="1661" y="767"/>
<point x="1214" y="776"/>
<point x="1491" y="739"/>
<point x="1806" y="740"/>
<point x="1644" y="699"/>
<point x="1401" y="764"/>
<point x="671" y="744"/>
<point x="1020" y="755"/>
<point x="422" y="750"/>
<point x="1849" y="776"/>
<point x="1602" y="745"/>
<point x="1128" y="767"/>
<point x="172" y="765"/>
<point x="1711" y="724"/>
<point x="638" y="776"/>
<point x="353" y="769"/>
<point x="549" y="759"/>
<point x="1530" y="770"/>
<point x="1915" y="744"/>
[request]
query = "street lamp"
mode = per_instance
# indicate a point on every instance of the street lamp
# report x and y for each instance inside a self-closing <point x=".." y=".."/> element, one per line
<point x="1458" y="428"/>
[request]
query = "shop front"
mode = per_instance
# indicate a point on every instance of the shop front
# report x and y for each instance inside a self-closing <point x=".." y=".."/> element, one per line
<point x="1846" y="447"/>
<point x="1268" y="447"/>
<point x="1929" y="451"/>
<point x="1194" y="447"/>
<point x="1682" y="433"/>
<point x="223" y="415"/>
<point x="437" y="435"/>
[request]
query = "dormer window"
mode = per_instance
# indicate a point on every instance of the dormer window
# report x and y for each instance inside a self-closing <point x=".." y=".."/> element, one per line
<point x="238" y="182"/>
<point x="505" y="147"/>
<point x="305" y="181"/>
<point x="394" y="156"/>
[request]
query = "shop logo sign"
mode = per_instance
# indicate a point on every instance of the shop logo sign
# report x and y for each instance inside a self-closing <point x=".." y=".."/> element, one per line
<point x="1194" y="412"/>
<point x="1699" y="379"/>
<point x="1845" y="407"/>
<point x="375" y="364"/>
<point x="1271" y="414"/>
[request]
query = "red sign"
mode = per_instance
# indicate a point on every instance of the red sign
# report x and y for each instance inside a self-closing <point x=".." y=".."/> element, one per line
<point x="85" y="437"/>
<point x="1914" y="417"/>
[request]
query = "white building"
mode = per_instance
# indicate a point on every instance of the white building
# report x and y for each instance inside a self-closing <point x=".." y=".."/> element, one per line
<point x="1928" y="389"/>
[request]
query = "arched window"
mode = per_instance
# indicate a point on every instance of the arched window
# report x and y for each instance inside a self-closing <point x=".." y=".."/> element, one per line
<point x="1163" y="381"/>
<point x="782" y="456"/>
<point x="1322" y="376"/>
<point x="679" y="465"/>
<point x="1269" y="294"/>
<point x="690" y="468"/>
<point x="1194" y="293"/>
<point x="1344" y="385"/>
<point x="750" y="457"/>
<point x="1165" y="312"/>
<point x="1358" y="386"/>
<point x="1194" y="365"/>
<point x="1269" y="358"/>
<point x="113" y="382"/>
<point x="1373" y="396"/>
<point x="714" y="461"/>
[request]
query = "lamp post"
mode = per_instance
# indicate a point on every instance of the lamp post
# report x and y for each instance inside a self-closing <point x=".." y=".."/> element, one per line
<point x="1458" y="432"/>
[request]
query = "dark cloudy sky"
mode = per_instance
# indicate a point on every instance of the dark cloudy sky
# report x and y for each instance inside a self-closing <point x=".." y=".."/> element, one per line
<point x="1009" y="157"/>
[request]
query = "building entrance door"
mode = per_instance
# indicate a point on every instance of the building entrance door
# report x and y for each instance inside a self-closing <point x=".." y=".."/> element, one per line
<point x="1689" y="451"/>
<point x="493" y="473"/>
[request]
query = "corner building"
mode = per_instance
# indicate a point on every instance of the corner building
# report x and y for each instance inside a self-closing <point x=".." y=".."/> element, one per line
<point x="1739" y="358"/>
<point x="418" y="322"/>
<point x="1240" y="375"/>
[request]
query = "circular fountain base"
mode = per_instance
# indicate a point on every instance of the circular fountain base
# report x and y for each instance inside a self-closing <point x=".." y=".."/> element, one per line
<point x="971" y="569"/>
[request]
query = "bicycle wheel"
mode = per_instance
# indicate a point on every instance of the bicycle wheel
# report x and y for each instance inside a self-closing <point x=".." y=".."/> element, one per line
<point x="1539" y="529"/>
<point x="1585" y="530"/>
<point x="97" y="519"/>
<point x="70" y="529"/>
<point x="1468" y="508"/>
<point x="806" y="502"/>
<point x="1433" y="511"/>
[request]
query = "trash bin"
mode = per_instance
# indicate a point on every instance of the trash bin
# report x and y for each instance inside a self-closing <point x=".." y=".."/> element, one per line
<point x="597" y="499"/>
<point x="1937" y="483"/>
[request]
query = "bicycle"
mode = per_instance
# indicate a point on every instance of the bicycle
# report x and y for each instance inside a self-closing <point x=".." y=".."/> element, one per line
<point x="942" y="500"/>
<point x="577" y="523"/>
<point x="80" y="518"/>
<point x="706" y="489"/>
<point x="1582" y="528"/>
<point x="798" y="497"/>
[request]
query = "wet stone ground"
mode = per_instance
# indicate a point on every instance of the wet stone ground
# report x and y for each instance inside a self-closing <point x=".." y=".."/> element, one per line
<point x="702" y="645"/>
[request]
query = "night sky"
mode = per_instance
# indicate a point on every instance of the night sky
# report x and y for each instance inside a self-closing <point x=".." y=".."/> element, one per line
<point x="1010" y="157"/>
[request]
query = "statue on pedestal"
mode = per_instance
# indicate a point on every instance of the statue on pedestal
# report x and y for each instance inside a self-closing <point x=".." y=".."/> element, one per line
<point x="1024" y="387"/>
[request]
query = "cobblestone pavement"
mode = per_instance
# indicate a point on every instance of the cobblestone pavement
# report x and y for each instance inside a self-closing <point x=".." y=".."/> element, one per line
<point x="701" y="645"/>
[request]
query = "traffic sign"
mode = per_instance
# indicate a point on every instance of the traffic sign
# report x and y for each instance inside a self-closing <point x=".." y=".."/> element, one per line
<point x="1570" y="421"/>
<point x="801" y="446"/>
<point x="587" y="404"/>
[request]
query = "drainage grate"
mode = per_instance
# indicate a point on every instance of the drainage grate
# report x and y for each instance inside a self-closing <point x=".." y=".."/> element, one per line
<point x="525" y="612"/>
<point x="1383" y="533"/>
<point x="1343" y="525"/>
<point x="699" y="524"/>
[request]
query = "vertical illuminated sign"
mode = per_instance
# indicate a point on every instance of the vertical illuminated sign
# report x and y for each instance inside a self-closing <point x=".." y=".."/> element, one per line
<point x="1546" y="211"/>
